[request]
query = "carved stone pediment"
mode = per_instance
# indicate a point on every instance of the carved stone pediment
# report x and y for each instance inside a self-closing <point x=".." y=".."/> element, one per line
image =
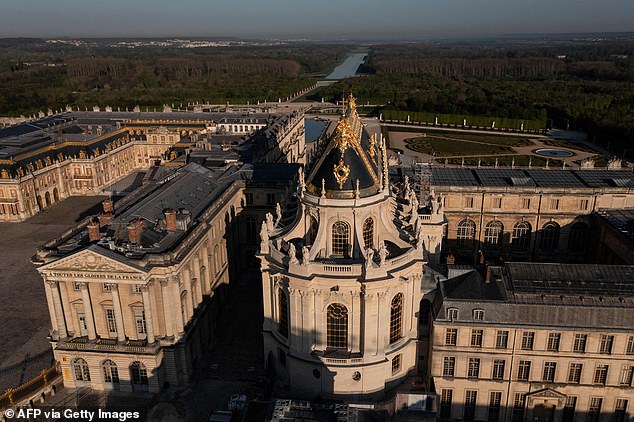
<point x="90" y="264"/>
<point x="546" y="393"/>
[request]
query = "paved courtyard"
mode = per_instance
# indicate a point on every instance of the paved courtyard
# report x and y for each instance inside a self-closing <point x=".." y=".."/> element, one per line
<point x="24" y="351"/>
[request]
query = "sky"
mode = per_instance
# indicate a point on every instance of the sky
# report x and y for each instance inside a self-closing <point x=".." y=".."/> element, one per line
<point x="318" y="19"/>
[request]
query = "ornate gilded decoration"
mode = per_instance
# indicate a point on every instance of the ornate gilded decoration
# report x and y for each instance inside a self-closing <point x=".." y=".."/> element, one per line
<point x="372" y="150"/>
<point x="341" y="172"/>
<point x="352" y="102"/>
<point x="344" y="137"/>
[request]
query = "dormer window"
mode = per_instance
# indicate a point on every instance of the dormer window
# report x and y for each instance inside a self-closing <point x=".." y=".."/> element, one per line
<point x="452" y="314"/>
<point x="478" y="314"/>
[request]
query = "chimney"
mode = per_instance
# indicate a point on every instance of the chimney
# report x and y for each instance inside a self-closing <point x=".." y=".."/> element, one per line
<point x="488" y="276"/>
<point x="170" y="219"/>
<point x="93" y="231"/>
<point x="451" y="259"/>
<point x="108" y="208"/>
<point x="135" y="229"/>
<point x="104" y="219"/>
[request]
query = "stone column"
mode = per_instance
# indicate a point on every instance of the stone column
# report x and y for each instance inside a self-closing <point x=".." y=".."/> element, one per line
<point x="168" y="307"/>
<point x="199" y="290"/>
<point x="208" y="275"/>
<point x="147" y="310"/>
<point x="383" y="327"/>
<point x="55" y="308"/>
<point x="355" y="337"/>
<point x="179" y="323"/>
<point x="90" y="320"/>
<point x="187" y="283"/>
<point x="118" y="313"/>
<point x="267" y="290"/>
<point x="309" y="321"/>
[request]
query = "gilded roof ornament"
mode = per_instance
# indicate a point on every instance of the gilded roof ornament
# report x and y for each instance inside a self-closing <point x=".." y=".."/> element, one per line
<point x="341" y="171"/>
<point x="352" y="102"/>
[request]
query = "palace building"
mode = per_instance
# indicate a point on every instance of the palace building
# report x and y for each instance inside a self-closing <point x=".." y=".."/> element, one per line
<point x="343" y="280"/>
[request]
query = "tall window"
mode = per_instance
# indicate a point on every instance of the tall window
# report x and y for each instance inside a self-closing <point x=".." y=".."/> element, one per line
<point x="340" y="239"/>
<point x="111" y="322"/>
<point x="549" y="237"/>
<point x="578" y="239"/>
<point x="470" y="404"/>
<point x="521" y="236"/>
<point x="451" y="337"/>
<point x="452" y="314"/>
<point x="524" y="370"/>
<point x="282" y="326"/>
<point x="518" y="407"/>
<point x="495" y="401"/>
<point x="549" y="371"/>
<point x="553" y="342"/>
<point x="493" y="233"/>
<point x="601" y="374"/>
<point x="474" y="368"/>
<point x="446" y="397"/>
<point x="110" y="372"/>
<point x="579" y="345"/>
<point x="594" y="410"/>
<point x="574" y="373"/>
<point x="449" y="366"/>
<point x="396" y="364"/>
<point x="82" y="372"/>
<point x="620" y="410"/>
<point x="396" y="318"/>
<point x="368" y="233"/>
<point x="337" y="326"/>
<point x="606" y="344"/>
<point x="528" y="338"/>
<point x="476" y="338"/>
<point x="569" y="409"/>
<point x="465" y="233"/>
<point x="478" y="314"/>
<point x="502" y="340"/>
<point x="626" y="375"/>
<point x="629" y="349"/>
<point x="138" y="374"/>
<point x="139" y="321"/>
<point x="498" y="369"/>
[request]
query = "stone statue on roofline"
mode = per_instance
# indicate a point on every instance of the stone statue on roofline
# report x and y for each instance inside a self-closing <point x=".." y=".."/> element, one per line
<point x="292" y="254"/>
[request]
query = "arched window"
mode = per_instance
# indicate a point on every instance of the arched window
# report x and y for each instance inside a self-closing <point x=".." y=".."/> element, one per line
<point x="396" y="318"/>
<point x="138" y="374"/>
<point x="311" y="235"/>
<point x="340" y="239"/>
<point x="110" y="372"/>
<point x="337" y="326"/>
<point x="282" y="325"/>
<point x="521" y="240"/>
<point x="465" y="233"/>
<point x="368" y="233"/>
<point x="493" y="234"/>
<point x="578" y="239"/>
<point x="550" y="237"/>
<point x="82" y="372"/>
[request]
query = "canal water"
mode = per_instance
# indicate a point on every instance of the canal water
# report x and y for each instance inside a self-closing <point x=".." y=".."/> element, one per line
<point x="348" y="68"/>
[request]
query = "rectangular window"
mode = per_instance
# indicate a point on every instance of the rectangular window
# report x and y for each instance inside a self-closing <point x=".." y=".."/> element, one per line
<point x="107" y="287"/>
<point x="139" y="321"/>
<point x="594" y="410"/>
<point x="249" y="198"/>
<point x="468" y="202"/>
<point x="580" y="343"/>
<point x="497" y="202"/>
<point x="449" y="366"/>
<point x="474" y="368"/>
<point x="76" y="286"/>
<point x="270" y="199"/>
<point x="569" y="409"/>
<point x="553" y="342"/>
<point x="476" y="338"/>
<point x="524" y="370"/>
<point x="528" y="339"/>
<point x="136" y="288"/>
<point x="495" y="401"/>
<point x="452" y="314"/>
<point x="518" y="407"/>
<point x="111" y="322"/>
<point x="83" y="327"/>
<point x="446" y="397"/>
<point x="606" y="344"/>
<point x="498" y="369"/>
<point x="549" y="371"/>
<point x="478" y="315"/>
<point x="620" y="410"/>
<point x="629" y="349"/>
<point x="583" y="204"/>
<point x="601" y="374"/>
<point x="471" y="397"/>
<point x="626" y="375"/>
<point x="396" y="364"/>
<point x="502" y="340"/>
<point x="574" y="373"/>
<point x="451" y="337"/>
<point x="526" y="203"/>
<point x="554" y="204"/>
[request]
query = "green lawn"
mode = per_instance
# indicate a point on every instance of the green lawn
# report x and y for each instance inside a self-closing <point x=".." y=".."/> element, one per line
<point x="443" y="147"/>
